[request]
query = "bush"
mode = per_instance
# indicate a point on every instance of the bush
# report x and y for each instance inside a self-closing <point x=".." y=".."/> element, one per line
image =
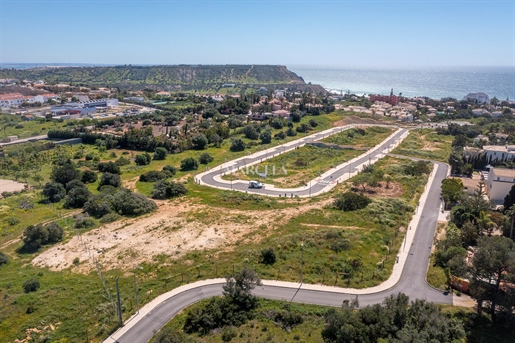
<point x="167" y="335"/>
<point x="143" y="159"/>
<point x="250" y="132"/>
<point x="54" y="191"/>
<point x="76" y="197"/>
<point x="110" y="180"/>
<point x="277" y="123"/>
<point x="160" y="154"/>
<point x="89" y="176"/>
<point x="200" y="141"/>
<point x="64" y="173"/>
<point x="189" y="164"/>
<point x="296" y="116"/>
<point x="171" y="169"/>
<point x="313" y="123"/>
<point x="99" y="205"/>
<point x="268" y="256"/>
<point x="83" y="221"/>
<point x="89" y="157"/>
<point x="129" y="203"/>
<point x="122" y="161"/>
<point x="13" y="221"/>
<point x="237" y="145"/>
<point x="280" y="135"/>
<point x="108" y="167"/>
<point x="266" y="137"/>
<point x="109" y="218"/>
<point x="350" y="201"/>
<point x="31" y="285"/>
<point x="168" y="189"/>
<point x="75" y="183"/>
<point x="228" y="333"/>
<point x="205" y="158"/>
<point x="153" y="176"/>
<point x="291" y="132"/>
<point x="3" y="259"/>
<point x="35" y="236"/>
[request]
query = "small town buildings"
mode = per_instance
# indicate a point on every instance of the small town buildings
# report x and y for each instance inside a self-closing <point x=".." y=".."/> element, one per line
<point x="499" y="183"/>
<point x="390" y="99"/>
<point x="14" y="99"/>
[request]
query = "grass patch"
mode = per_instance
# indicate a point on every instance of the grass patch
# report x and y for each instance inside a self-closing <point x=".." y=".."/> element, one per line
<point x="426" y="144"/>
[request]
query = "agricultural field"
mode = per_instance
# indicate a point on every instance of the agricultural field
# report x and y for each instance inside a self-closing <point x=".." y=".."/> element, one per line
<point x="426" y="144"/>
<point x="296" y="168"/>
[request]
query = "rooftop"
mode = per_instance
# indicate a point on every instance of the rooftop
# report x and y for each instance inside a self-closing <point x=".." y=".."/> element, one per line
<point x="504" y="172"/>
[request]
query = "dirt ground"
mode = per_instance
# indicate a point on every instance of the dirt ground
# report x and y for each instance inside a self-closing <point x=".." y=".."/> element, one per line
<point x="176" y="228"/>
<point x="10" y="186"/>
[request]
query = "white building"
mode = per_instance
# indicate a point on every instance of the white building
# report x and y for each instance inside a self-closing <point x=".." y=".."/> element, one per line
<point x="499" y="184"/>
<point x="479" y="97"/>
<point x="14" y="99"/>
<point x="42" y="98"/>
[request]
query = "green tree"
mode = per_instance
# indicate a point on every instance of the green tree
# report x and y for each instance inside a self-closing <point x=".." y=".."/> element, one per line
<point x="494" y="259"/>
<point x="142" y="159"/>
<point x="200" y="141"/>
<point x="168" y="189"/>
<point x="54" y="191"/>
<point x="189" y="163"/>
<point x="509" y="199"/>
<point x="76" y="197"/>
<point x="452" y="190"/>
<point x="205" y="158"/>
<point x="109" y="179"/>
<point x="89" y="176"/>
<point x="268" y="256"/>
<point x="160" y="154"/>
<point x="237" y="145"/>
<point x="266" y="137"/>
<point x="108" y="167"/>
<point x="64" y="173"/>
<point x="350" y="201"/>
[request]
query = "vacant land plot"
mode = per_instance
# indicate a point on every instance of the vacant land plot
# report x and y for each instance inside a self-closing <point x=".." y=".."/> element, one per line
<point x="296" y="168"/>
<point x="427" y="144"/>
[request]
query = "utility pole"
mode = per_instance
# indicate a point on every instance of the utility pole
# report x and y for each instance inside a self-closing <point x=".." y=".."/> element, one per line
<point x="120" y="319"/>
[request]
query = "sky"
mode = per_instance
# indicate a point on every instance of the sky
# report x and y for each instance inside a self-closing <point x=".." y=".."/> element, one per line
<point x="380" y="33"/>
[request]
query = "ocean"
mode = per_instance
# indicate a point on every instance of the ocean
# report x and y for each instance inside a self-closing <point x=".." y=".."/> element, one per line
<point x="433" y="82"/>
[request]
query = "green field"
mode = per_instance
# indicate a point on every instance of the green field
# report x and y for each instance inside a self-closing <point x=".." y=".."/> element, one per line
<point x="426" y="144"/>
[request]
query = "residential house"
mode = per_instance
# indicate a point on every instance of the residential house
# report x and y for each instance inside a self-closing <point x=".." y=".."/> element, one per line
<point x="499" y="183"/>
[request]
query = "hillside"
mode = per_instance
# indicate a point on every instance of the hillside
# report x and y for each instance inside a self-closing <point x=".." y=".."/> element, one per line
<point x="183" y="75"/>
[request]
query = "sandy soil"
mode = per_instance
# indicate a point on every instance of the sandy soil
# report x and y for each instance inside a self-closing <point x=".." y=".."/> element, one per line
<point x="175" y="229"/>
<point x="10" y="186"/>
<point x="429" y="146"/>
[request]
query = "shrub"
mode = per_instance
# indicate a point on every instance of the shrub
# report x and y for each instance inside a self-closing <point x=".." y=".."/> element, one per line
<point x="122" y="161"/>
<point x="153" y="176"/>
<point x="35" y="236"/>
<point x="280" y="135"/>
<point x="237" y="145"/>
<point x="296" y="116"/>
<point x="3" y="259"/>
<point x="13" y="221"/>
<point x="109" y="218"/>
<point x="89" y="157"/>
<point x="268" y="256"/>
<point x="160" y="154"/>
<point x="130" y="203"/>
<point x="228" y="333"/>
<point x="76" y="197"/>
<point x="205" y="158"/>
<point x="200" y="141"/>
<point x="313" y="123"/>
<point x="168" y="189"/>
<point x="250" y="132"/>
<point x="277" y="123"/>
<point x="54" y="191"/>
<point x="110" y="180"/>
<point x="171" y="169"/>
<point x="291" y="132"/>
<point x="89" y="176"/>
<point x="189" y="164"/>
<point x="108" y="167"/>
<point x="31" y="285"/>
<point x="350" y="201"/>
<point x="167" y="335"/>
<point x="99" y="205"/>
<point x="266" y="137"/>
<point x="64" y="173"/>
<point x="75" y="183"/>
<point x="83" y="221"/>
<point x="142" y="159"/>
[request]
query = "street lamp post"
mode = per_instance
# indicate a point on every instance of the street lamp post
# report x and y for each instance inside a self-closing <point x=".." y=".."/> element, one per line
<point x="301" y="260"/>
<point x="136" y="287"/>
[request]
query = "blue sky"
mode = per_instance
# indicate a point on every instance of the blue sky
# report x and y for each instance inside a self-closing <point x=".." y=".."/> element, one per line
<point x="343" y="33"/>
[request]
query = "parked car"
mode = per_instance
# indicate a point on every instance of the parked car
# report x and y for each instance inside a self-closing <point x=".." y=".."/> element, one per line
<point x="255" y="184"/>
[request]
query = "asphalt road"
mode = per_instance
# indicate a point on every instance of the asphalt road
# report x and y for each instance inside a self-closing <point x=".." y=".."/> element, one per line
<point x="315" y="186"/>
<point x="25" y="140"/>
<point x="412" y="281"/>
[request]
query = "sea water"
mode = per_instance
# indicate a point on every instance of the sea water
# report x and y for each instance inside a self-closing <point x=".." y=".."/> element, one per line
<point x="432" y="82"/>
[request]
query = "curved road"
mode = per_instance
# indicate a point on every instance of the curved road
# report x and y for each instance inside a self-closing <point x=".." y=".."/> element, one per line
<point x="153" y="316"/>
<point x="212" y="177"/>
